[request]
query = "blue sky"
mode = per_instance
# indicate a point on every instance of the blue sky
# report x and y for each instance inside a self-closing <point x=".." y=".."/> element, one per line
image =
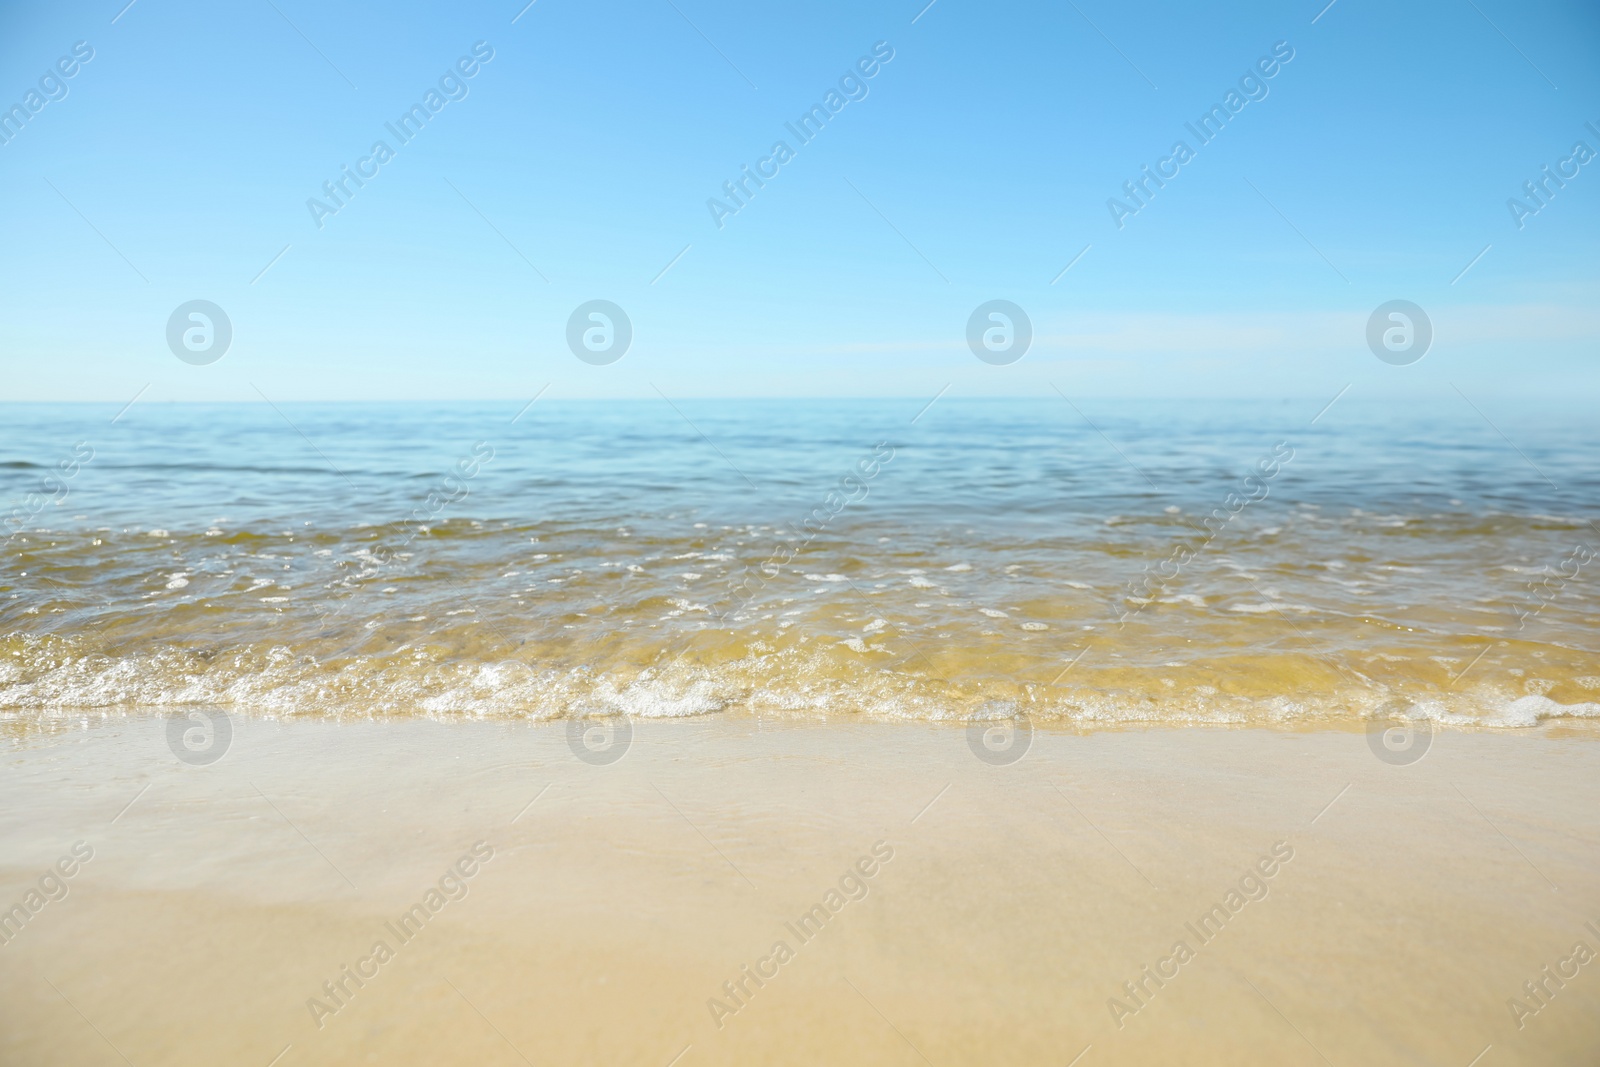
<point x="979" y="164"/>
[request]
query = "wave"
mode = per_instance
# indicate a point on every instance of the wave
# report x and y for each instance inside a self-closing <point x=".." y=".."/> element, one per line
<point x="52" y="677"/>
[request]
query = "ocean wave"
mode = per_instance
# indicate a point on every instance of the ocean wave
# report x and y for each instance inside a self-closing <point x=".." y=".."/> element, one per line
<point x="48" y="678"/>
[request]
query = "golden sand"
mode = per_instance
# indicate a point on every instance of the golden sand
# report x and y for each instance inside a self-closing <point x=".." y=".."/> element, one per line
<point x="959" y="912"/>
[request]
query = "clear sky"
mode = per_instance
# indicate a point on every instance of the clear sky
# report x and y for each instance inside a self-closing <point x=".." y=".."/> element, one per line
<point x="977" y="165"/>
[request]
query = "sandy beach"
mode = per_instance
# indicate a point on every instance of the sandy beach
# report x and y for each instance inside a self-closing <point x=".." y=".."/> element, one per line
<point x="836" y="535"/>
<point x="930" y="906"/>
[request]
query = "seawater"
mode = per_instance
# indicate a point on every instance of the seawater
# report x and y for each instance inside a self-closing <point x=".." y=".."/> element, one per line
<point x="1093" y="562"/>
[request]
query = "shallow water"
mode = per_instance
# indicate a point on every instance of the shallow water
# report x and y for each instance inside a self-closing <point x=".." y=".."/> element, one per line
<point x="1086" y="561"/>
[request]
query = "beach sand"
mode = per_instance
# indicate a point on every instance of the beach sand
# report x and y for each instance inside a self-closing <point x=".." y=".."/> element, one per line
<point x="1414" y="903"/>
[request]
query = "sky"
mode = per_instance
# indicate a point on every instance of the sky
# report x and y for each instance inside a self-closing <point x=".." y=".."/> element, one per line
<point x="580" y="160"/>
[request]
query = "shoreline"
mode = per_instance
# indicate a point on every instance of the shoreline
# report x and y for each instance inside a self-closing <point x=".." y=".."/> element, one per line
<point x="23" y="724"/>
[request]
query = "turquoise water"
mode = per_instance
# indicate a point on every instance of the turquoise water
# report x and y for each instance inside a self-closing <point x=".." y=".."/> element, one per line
<point x="1093" y="561"/>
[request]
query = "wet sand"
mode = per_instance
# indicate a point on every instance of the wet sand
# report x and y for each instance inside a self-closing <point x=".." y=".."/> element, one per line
<point x="564" y="912"/>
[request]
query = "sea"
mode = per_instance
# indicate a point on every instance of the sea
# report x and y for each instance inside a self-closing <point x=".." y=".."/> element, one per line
<point x="1089" y="562"/>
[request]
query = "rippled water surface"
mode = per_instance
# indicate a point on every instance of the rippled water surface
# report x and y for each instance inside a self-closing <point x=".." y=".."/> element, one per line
<point x="1094" y="562"/>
